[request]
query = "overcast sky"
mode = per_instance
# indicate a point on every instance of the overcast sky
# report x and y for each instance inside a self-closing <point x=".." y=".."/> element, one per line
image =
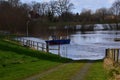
<point x="80" y="4"/>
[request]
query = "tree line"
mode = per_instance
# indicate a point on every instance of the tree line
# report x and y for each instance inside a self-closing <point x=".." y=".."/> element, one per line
<point x="15" y="15"/>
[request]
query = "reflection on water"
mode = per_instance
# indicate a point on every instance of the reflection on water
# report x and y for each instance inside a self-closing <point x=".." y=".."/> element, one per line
<point x="91" y="45"/>
<point x="94" y="37"/>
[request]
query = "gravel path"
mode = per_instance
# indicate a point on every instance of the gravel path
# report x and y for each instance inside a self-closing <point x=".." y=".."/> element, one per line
<point x="78" y="76"/>
<point x="38" y="76"/>
<point x="81" y="74"/>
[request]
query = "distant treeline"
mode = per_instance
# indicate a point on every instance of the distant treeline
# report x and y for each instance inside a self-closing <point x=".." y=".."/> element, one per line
<point x="17" y="17"/>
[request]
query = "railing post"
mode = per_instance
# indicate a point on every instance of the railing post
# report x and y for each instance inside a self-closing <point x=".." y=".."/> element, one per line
<point x="59" y="49"/>
<point x="42" y="46"/>
<point x="30" y="43"/>
<point x="112" y="54"/>
<point x="33" y="44"/>
<point x="66" y="52"/>
<point x="114" y="50"/>
<point x="47" y="47"/>
<point x="26" y="42"/>
<point x="23" y="42"/>
<point x="118" y="56"/>
<point x="106" y="53"/>
<point x="37" y="45"/>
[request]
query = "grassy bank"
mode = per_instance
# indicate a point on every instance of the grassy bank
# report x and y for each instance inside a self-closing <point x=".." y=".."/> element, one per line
<point x="17" y="62"/>
<point x="96" y="72"/>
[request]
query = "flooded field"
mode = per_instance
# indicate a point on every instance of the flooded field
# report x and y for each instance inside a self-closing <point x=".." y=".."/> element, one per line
<point x="88" y="45"/>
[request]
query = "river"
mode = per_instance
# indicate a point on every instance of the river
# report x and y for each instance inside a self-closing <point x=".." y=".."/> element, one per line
<point x="90" y="45"/>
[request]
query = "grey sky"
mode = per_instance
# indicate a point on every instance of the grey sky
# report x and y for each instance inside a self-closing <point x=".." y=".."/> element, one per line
<point x="80" y="4"/>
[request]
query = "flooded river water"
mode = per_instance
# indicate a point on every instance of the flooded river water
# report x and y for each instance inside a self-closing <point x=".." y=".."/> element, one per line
<point x="89" y="45"/>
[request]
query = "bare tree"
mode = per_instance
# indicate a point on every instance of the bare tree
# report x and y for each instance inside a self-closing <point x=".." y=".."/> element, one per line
<point x="116" y="7"/>
<point x="41" y="8"/>
<point x="64" y="6"/>
<point x="14" y="2"/>
<point x="116" y="11"/>
<point x="13" y="18"/>
<point x="53" y="7"/>
<point x="86" y="15"/>
<point x="102" y="13"/>
<point x="35" y="6"/>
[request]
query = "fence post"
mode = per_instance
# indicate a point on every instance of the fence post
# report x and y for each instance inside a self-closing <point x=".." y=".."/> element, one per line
<point x="59" y="49"/>
<point x="66" y="52"/>
<point x="33" y="44"/>
<point x="23" y="42"/>
<point x="30" y="43"/>
<point x="37" y="45"/>
<point x="106" y="53"/>
<point x="47" y="47"/>
<point x="114" y="55"/>
<point x="42" y="46"/>
<point x="26" y="43"/>
<point x="118" y="55"/>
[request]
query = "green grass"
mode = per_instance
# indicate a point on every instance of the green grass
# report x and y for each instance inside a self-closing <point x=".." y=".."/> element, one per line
<point x="17" y="62"/>
<point x="8" y="46"/>
<point x="14" y="66"/>
<point x="64" y="73"/>
<point x="96" y="72"/>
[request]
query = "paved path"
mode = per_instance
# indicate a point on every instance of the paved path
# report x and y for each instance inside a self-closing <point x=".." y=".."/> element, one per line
<point x="81" y="74"/>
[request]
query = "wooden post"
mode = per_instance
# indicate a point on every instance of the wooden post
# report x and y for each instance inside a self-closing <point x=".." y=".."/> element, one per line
<point x="37" y="45"/>
<point x="114" y="53"/>
<point x="118" y="55"/>
<point x="42" y="46"/>
<point x="66" y="52"/>
<point x="47" y="47"/>
<point x="33" y="44"/>
<point x="106" y="53"/>
<point x="30" y="43"/>
<point x="23" y="42"/>
<point x="26" y="42"/>
<point x="59" y="49"/>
